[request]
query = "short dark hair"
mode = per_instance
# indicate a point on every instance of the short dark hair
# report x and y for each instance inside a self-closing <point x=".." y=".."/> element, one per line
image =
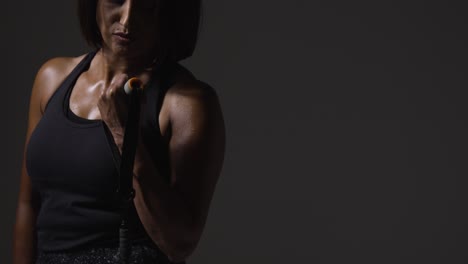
<point x="179" y="22"/>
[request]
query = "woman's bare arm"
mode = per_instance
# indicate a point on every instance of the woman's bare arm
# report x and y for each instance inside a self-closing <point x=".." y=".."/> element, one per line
<point x="174" y="214"/>
<point x="49" y="77"/>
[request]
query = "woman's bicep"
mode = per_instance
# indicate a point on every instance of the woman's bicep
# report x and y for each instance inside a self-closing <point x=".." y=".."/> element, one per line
<point x="196" y="146"/>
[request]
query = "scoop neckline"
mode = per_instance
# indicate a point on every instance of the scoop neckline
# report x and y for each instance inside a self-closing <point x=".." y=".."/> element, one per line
<point x="66" y="104"/>
<point x="82" y="67"/>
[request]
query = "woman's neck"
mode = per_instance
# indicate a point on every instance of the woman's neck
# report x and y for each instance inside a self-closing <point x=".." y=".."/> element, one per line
<point x="111" y="65"/>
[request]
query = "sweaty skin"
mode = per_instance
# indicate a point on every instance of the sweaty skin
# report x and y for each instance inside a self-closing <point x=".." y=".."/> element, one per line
<point x="190" y="120"/>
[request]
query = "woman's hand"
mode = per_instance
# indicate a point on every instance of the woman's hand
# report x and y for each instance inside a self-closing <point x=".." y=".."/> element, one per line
<point x="113" y="106"/>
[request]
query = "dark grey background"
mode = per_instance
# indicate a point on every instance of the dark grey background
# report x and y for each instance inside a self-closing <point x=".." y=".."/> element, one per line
<point x="346" y="126"/>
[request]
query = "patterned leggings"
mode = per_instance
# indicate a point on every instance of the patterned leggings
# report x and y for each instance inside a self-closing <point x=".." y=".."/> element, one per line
<point x="140" y="254"/>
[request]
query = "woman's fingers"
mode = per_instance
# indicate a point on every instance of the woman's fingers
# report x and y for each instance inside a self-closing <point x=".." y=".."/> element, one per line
<point x="113" y="106"/>
<point x="113" y="102"/>
<point x="120" y="83"/>
<point x="116" y="88"/>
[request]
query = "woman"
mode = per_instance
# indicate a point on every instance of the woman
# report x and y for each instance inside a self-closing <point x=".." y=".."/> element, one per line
<point x="68" y="211"/>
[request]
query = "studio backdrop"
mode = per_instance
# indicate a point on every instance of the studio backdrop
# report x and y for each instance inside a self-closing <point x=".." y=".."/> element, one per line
<point x="347" y="134"/>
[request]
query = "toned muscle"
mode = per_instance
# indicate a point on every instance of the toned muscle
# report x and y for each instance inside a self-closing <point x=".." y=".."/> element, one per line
<point x="196" y="152"/>
<point x="48" y="79"/>
<point x="197" y="143"/>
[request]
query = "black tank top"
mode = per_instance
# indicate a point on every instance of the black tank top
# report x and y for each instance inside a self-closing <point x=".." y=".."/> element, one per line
<point x="71" y="166"/>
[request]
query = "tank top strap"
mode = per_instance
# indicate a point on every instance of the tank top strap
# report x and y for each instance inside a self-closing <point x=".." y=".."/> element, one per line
<point x="56" y="103"/>
<point x="161" y="81"/>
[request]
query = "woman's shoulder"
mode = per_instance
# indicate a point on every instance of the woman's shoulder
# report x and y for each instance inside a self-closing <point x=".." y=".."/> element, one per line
<point x="187" y="87"/>
<point x="190" y="99"/>
<point x="49" y="77"/>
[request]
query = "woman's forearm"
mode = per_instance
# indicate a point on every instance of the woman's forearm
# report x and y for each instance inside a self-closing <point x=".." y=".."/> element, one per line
<point x="24" y="240"/>
<point x="165" y="215"/>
